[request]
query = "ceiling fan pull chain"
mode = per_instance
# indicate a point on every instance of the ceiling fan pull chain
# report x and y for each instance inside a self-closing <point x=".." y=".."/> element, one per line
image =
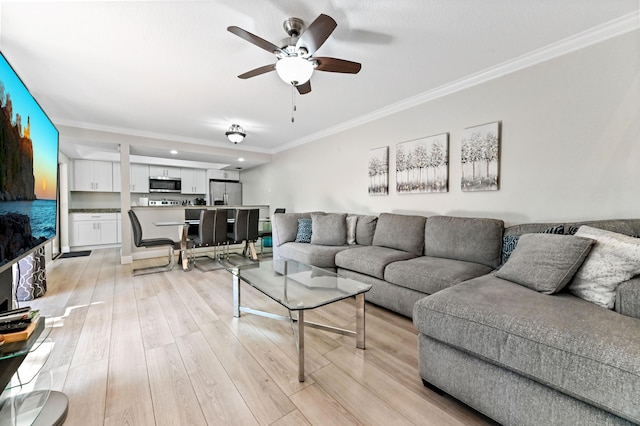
<point x="293" y="102"/>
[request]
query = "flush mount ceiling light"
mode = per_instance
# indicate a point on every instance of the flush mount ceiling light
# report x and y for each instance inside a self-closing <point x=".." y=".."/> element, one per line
<point x="236" y="134"/>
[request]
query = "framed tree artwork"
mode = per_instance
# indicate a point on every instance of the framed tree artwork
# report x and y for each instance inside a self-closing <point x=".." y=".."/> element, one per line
<point x="422" y="165"/>
<point x="480" y="157"/>
<point x="379" y="171"/>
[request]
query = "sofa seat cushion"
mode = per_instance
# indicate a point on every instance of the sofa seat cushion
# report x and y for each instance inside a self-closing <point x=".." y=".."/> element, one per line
<point x="370" y="260"/>
<point x="311" y="254"/>
<point x="564" y="342"/>
<point x="428" y="274"/>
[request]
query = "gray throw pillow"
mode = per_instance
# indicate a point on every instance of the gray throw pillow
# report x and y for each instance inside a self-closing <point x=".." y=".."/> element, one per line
<point x="510" y="241"/>
<point x="545" y="262"/>
<point x="329" y="229"/>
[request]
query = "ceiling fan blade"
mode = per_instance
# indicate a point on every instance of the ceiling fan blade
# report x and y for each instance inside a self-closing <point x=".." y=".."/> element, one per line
<point x="254" y="39"/>
<point x="303" y="89"/>
<point x="258" y="71"/>
<point x="317" y="33"/>
<point x="337" y="65"/>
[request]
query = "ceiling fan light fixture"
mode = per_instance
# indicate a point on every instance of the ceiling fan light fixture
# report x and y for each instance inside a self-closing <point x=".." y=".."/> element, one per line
<point x="235" y="134"/>
<point x="294" y="70"/>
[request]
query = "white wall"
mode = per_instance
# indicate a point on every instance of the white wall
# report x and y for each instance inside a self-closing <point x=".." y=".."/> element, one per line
<point x="570" y="147"/>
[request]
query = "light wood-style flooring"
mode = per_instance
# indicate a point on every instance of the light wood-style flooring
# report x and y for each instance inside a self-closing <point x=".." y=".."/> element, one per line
<point x="165" y="349"/>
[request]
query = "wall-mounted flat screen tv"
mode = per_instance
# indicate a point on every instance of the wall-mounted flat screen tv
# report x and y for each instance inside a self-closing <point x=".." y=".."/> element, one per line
<point x="28" y="170"/>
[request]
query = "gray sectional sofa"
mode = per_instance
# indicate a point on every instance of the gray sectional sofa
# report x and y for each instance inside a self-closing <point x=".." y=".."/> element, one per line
<point x="404" y="257"/>
<point x="504" y="338"/>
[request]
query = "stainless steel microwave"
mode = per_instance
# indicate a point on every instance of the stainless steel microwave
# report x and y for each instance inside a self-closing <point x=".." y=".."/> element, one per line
<point x="165" y="184"/>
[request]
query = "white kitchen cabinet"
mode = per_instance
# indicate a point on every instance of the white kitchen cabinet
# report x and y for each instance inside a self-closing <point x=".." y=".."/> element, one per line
<point x="117" y="179"/>
<point x="140" y="178"/>
<point x="165" y="171"/>
<point x="89" y="175"/>
<point x="91" y="229"/>
<point x="223" y="174"/>
<point x="118" y="228"/>
<point x="194" y="181"/>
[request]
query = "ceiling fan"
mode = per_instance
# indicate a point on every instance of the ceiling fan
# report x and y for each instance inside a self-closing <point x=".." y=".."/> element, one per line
<point x="295" y="62"/>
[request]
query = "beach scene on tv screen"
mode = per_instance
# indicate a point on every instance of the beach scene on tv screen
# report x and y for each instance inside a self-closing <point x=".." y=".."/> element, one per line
<point x="28" y="169"/>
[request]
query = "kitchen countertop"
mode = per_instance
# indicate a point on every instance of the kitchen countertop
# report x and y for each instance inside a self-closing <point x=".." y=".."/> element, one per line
<point x="201" y="207"/>
<point x="97" y="210"/>
<point x="117" y="210"/>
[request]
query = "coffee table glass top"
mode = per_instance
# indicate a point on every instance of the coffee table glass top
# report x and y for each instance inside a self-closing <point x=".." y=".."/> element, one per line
<point x="298" y="286"/>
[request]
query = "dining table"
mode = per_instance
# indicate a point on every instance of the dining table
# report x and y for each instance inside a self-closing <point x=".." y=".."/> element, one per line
<point x="184" y="239"/>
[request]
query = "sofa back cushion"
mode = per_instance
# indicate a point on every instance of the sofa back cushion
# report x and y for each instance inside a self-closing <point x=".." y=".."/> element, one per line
<point x="285" y="226"/>
<point x="400" y="232"/>
<point x="622" y="226"/>
<point x="329" y="229"/>
<point x="628" y="298"/>
<point x="476" y="240"/>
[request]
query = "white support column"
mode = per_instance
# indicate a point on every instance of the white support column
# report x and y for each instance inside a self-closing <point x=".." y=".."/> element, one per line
<point x="125" y="204"/>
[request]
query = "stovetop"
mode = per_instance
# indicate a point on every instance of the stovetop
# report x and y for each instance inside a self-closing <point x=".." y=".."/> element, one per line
<point x="163" y="203"/>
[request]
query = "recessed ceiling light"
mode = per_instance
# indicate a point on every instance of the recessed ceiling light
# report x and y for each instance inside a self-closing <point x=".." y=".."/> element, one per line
<point x="240" y="159"/>
<point x="174" y="152"/>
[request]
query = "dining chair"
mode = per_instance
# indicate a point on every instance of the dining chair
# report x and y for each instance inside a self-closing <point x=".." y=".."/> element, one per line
<point x="252" y="233"/>
<point x="224" y="226"/>
<point x="220" y="230"/>
<point x="207" y="235"/>
<point x="238" y="235"/>
<point x="139" y="241"/>
<point x="192" y="214"/>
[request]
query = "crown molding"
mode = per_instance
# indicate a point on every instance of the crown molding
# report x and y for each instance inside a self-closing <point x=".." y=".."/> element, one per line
<point x="158" y="136"/>
<point x="598" y="34"/>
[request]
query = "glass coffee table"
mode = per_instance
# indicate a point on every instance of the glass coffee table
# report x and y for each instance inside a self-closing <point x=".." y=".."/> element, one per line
<point x="299" y="287"/>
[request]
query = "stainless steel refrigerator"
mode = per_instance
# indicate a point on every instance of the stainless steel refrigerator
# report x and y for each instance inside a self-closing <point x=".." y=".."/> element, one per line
<point x="225" y="193"/>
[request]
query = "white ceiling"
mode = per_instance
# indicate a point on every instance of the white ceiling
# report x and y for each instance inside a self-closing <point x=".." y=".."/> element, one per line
<point x="167" y="70"/>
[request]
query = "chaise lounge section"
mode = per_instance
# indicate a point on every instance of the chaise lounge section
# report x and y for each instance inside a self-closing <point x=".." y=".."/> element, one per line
<point x="546" y="358"/>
